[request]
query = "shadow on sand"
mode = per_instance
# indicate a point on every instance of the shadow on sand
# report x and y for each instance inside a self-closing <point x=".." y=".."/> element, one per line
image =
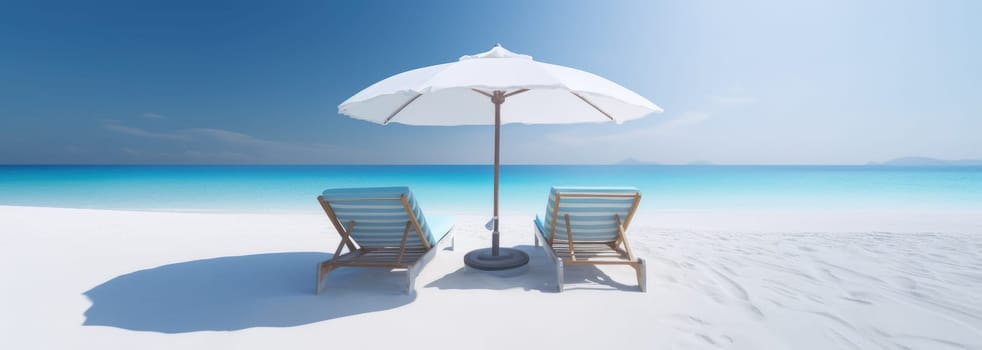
<point x="238" y="292"/>
<point x="541" y="276"/>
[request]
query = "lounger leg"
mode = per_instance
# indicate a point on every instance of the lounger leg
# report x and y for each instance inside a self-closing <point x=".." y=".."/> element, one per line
<point x="536" y="235"/>
<point x="560" y="275"/>
<point x="322" y="270"/>
<point x="411" y="279"/>
<point x="642" y="276"/>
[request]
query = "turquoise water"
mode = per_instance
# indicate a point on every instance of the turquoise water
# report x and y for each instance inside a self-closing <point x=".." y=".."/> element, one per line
<point x="467" y="188"/>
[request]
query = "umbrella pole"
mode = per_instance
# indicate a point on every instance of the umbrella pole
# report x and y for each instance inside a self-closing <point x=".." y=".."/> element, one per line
<point x="498" y="98"/>
<point x="506" y="261"/>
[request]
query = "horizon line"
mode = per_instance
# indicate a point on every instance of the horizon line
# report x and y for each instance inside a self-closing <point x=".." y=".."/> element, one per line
<point x="869" y="164"/>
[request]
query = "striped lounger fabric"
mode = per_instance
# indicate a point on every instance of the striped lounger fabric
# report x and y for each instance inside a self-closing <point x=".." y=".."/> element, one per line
<point x="587" y="226"/>
<point x="382" y="227"/>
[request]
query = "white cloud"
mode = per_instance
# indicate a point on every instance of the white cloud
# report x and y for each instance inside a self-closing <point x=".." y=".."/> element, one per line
<point x="648" y="140"/>
<point x="628" y="133"/>
<point x="225" y="135"/>
<point x="131" y="131"/>
<point x="209" y="145"/>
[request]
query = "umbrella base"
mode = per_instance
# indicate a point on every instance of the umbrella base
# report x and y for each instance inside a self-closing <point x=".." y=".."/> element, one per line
<point x="508" y="262"/>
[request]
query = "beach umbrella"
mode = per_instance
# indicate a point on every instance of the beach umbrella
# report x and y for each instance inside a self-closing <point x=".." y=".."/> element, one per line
<point x="463" y="92"/>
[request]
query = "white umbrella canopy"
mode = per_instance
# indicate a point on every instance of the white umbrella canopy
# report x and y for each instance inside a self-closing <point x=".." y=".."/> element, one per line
<point x="457" y="93"/>
<point x="444" y="94"/>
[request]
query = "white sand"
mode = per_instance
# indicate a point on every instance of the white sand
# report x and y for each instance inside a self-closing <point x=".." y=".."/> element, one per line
<point x="746" y="280"/>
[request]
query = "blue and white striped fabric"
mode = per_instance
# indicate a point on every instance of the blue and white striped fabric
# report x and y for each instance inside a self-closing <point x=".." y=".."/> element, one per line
<point x="591" y="218"/>
<point x="380" y="218"/>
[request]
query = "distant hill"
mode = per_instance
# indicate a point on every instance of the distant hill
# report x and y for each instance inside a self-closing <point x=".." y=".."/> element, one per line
<point x="700" y="162"/>
<point x="925" y="161"/>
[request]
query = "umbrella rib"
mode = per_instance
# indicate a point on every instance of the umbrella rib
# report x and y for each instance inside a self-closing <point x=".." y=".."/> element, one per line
<point x="593" y="105"/>
<point x="393" y="115"/>
<point x="482" y="92"/>
<point x="516" y="92"/>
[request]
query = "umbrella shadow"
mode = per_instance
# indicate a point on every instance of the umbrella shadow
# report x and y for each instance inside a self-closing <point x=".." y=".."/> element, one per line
<point x="534" y="279"/>
<point x="239" y="292"/>
<point x="541" y="276"/>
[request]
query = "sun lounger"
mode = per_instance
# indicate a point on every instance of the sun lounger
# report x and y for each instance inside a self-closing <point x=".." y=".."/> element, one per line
<point x="382" y="227"/>
<point x="587" y="226"/>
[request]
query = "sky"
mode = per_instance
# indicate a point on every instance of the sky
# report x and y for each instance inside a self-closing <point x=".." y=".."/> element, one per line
<point x="258" y="82"/>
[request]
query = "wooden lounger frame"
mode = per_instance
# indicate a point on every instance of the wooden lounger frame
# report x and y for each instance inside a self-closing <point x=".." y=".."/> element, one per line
<point x="411" y="259"/>
<point x="571" y="252"/>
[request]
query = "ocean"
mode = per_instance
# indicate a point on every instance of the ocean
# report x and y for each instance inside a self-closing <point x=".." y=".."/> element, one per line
<point x="466" y="189"/>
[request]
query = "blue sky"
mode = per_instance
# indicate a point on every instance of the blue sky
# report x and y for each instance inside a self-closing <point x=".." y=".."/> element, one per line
<point x="741" y="82"/>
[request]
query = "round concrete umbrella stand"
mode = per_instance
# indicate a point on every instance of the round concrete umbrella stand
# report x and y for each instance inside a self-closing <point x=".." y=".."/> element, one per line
<point x="508" y="262"/>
